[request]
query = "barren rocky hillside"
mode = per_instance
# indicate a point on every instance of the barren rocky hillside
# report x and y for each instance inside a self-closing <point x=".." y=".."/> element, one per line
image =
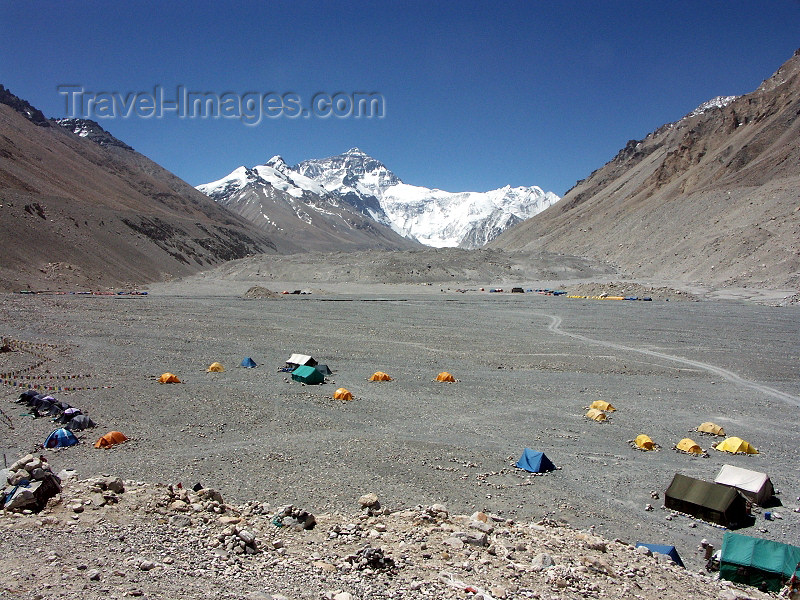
<point x="78" y="212"/>
<point x="713" y="198"/>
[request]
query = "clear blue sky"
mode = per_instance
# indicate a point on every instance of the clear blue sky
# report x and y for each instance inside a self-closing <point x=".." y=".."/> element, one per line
<point x="477" y="95"/>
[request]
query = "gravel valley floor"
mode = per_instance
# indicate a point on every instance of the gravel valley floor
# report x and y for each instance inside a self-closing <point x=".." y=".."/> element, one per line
<point x="527" y="365"/>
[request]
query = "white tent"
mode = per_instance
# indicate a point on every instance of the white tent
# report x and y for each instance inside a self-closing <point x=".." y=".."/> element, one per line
<point x="300" y="360"/>
<point x="755" y="486"/>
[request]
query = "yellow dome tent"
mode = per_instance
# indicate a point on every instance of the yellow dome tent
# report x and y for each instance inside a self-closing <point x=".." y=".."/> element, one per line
<point x="688" y="446"/>
<point x="215" y="367"/>
<point x="342" y="394"/>
<point x="380" y="376"/>
<point x="712" y="428"/>
<point x="644" y="442"/>
<point x="736" y="445"/>
<point x="602" y="405"/>
<point x="168" y="378"/>
<point x="445" y="376"/>
<point x="595" y="415"/>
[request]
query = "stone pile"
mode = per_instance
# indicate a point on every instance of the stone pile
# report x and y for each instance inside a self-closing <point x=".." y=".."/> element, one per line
<point x="30" y="484"/>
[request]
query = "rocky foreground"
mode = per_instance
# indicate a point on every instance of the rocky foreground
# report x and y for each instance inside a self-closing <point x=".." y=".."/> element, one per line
<point x="103" y="538"/>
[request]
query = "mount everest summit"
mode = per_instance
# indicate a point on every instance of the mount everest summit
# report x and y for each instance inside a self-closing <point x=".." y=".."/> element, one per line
<point x="353" y="193"/>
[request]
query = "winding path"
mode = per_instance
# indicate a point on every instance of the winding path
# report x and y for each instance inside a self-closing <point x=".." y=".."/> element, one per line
<point x="555" y="327"/>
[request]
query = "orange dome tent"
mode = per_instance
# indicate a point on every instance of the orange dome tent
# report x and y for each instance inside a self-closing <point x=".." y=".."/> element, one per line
<point x="215" y="367"/>
<point x="110" y="439"/>
<point x="380" y="376"/>
<point x="168" y="378"/>
<point x="342" y="394"/>
<point x="445" y="376"/>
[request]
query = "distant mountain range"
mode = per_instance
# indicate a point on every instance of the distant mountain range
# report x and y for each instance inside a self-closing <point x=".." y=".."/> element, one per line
<point x="713" y="198"/>
<point x="319" y="190"/>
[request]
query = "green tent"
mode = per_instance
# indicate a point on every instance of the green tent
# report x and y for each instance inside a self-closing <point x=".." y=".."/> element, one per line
<point x="711" y="502"/>
<point x="306" y="374"/>
<point x="762" y="563"/>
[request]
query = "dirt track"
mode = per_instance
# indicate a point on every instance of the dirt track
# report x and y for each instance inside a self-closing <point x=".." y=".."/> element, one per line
<point x="666" y="366"/>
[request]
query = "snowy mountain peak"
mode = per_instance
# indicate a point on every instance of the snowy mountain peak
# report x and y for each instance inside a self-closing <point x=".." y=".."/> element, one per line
<point x="431" y="216"/>
<point x="718" y="102"/>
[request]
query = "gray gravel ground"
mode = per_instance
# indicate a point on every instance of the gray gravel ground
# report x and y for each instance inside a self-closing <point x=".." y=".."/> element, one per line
<point x="526" y="365"/>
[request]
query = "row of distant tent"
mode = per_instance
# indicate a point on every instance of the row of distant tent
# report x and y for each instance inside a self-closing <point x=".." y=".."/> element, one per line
<point x="735" y="445"/>
<point x="62" y="412"/>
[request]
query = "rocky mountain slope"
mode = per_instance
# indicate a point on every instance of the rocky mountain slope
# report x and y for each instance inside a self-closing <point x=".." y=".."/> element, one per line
<point x="355" y="179"/>
<point x="81" y="210"/>
<point x="710" y="198"/>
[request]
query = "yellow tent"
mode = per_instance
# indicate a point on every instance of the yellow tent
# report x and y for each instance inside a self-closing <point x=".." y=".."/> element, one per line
<point x="445" y="376"/>
<point x="689" y="446"/>
<point x="644" y="442"/>
<point x="342" y="394"/>
<point x="168" y="378"/>
<point x="215" y="367"/>
<point x="380" y="376"/>
<point x="595" y="415"/>
<point x="736" y="445"/>
<point x="712" y="428"/>
<point x="602" y="405"/>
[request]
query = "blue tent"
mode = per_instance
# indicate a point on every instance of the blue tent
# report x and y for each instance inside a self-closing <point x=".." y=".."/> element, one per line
<point x="60" y="438"/>
<point x="663" y="549"/>
<point x="248" y="363"/>
<point x="535" y="462"/>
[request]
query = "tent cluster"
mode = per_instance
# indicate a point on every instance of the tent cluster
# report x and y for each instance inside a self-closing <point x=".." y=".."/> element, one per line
<point x="725" y="501"/>
<point x="40" y="405"/>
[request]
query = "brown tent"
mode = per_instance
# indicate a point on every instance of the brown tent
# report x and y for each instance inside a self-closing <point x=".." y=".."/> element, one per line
<point x="711" y="502"/>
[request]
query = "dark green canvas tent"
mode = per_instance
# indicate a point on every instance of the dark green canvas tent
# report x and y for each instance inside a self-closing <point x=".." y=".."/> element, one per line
<point x="306" y="374"/>
<point x="762" y="563"/>
<point x="711" y="502"/>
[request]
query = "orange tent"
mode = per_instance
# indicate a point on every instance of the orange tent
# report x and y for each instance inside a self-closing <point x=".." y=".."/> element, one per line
<point x="380" y="376"/>
<point x="110" y="439"/>
<point x="168" y="378"/>
<point x="215" y="367"/>
<point x="445" y="376"/>
<point x="342" y="394"/>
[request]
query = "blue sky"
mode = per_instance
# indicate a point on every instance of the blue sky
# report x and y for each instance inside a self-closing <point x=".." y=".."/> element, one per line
<point x="477" y="95"/>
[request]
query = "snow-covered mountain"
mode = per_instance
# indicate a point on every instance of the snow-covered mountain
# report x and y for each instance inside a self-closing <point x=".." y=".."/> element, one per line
<point x="431" y="216"/>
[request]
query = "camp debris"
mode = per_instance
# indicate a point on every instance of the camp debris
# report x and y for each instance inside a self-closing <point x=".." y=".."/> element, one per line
<point x="60" y="438"/>
<point x="602" y="405"/>
<point x="445" y="376"/>
<point x="380" y="376"/>
<point x="755" y="486"/>
<point x="248" y="363"/>
<point x="535" y="462"/>
<point x="757" y="562"/>
<point x="643" y="442"/>
<point x="595" y="415"/>
<point x="689" y="447"/>
<point x="215" y="367"/>
<point x="168" y="378"/>
<point x="342" y="394"/>
<point x="28" y="484"/>
<point x="711" y="428"/>
<point x="112" y="438"/>
<point x="670" y="551"/>
<point x="711" y="502"/>
<point x="735" y="445"/>
<point x="308" y="375"/>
